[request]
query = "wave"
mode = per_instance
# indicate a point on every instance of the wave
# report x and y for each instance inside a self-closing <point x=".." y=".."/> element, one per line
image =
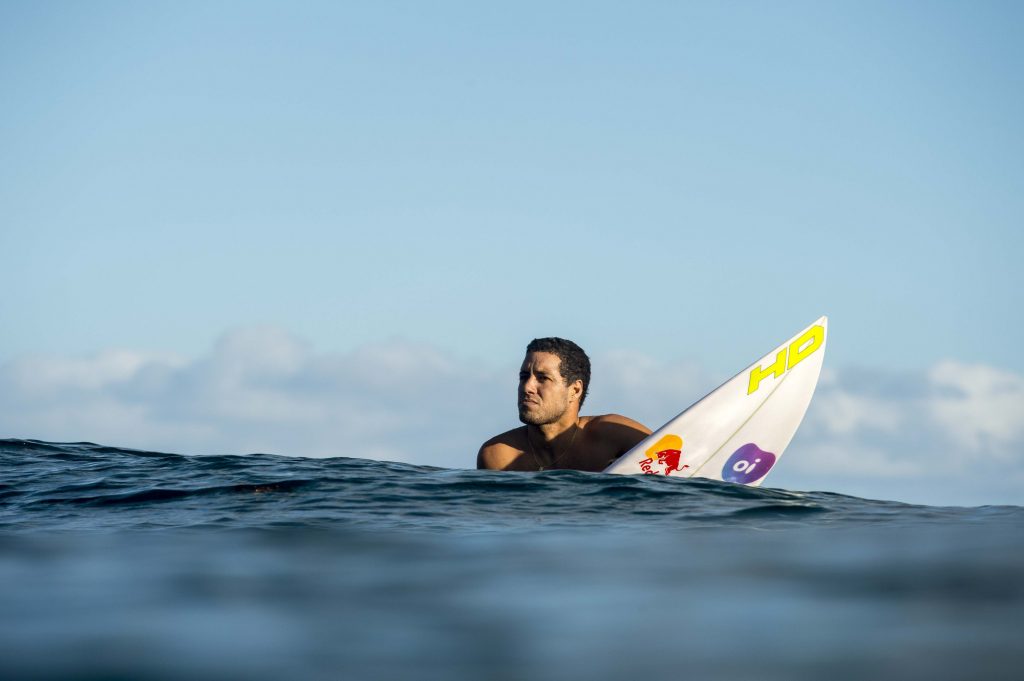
<point x="86" y="485"/>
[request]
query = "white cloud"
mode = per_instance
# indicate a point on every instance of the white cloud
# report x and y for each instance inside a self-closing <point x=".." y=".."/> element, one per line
<point x="647" y="390"/>
<point x="952" y="434"/>
<point x="957" y="415"/>
<point x="924" y="436"/>
<point x="38" y="378"/>
<point x="844" y="413"/>
<point x="261" y="389"/>
<point x="981" y="407"/>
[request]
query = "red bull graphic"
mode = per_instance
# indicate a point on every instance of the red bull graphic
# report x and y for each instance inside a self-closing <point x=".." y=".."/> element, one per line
<point x="663" y="454"/>
<point x="748" y="464"/>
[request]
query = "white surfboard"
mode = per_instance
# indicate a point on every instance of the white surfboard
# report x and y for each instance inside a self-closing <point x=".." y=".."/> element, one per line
<point x="738" y="431"/>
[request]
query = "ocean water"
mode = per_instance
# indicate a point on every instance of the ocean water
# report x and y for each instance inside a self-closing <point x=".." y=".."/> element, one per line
<point x="119" y="564"/>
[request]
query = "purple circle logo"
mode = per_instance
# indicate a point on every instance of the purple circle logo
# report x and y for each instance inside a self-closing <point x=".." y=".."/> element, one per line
<point x="748" y="464"/>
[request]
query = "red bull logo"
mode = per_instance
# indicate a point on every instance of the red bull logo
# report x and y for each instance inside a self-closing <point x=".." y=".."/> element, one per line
<point x="663" y="456"/>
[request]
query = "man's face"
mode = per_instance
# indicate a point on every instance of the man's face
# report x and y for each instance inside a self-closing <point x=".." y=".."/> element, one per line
<point x="543" y="394"/>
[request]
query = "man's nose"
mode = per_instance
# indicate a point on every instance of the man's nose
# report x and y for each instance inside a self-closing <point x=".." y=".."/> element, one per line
<point x="530" y="385"/>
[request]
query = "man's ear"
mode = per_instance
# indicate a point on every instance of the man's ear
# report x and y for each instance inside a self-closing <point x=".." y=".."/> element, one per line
<point x="576" y="389"/>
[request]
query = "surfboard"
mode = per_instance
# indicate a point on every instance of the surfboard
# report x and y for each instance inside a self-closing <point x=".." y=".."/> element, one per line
<point x="737" y="432"/>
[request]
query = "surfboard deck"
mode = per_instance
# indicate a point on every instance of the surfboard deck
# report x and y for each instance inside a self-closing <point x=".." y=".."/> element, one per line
<point x="738" y="431"/>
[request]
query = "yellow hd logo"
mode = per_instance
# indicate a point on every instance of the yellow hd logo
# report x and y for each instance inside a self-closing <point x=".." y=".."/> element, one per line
<point x="788" y="357"/>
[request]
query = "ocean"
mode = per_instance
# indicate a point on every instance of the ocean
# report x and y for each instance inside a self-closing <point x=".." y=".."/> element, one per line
<point x="120" y="564"/>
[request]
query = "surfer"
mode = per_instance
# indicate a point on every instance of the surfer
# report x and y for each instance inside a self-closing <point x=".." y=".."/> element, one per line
<point x="553" y="382"/>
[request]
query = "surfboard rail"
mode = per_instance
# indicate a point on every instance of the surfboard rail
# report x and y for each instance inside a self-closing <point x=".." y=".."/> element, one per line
<point x="739" y="430"/>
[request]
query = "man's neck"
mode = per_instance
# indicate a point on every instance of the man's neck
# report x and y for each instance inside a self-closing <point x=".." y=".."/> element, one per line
<point x="545" y="434"/>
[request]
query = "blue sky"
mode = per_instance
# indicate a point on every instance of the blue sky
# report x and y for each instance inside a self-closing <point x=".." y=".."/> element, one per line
<point x="681" y="186"/>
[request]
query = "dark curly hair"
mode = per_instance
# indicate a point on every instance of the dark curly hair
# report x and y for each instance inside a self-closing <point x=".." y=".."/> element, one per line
<point x="575" y="365"/>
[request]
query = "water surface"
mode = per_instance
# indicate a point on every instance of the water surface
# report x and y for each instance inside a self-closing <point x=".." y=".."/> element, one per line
<point x="120" y="564"/>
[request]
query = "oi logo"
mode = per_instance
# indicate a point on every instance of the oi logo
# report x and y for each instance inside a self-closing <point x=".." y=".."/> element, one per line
<point x="748" y="464"/>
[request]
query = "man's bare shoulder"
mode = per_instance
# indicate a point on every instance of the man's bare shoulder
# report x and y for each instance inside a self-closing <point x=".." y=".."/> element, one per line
<point x="620" y="430"/>
<point x="604" y="421"/>
<point x="501" y="451"/>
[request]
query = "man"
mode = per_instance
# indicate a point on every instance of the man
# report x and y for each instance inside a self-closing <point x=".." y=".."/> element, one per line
<point x="553" y="383"/>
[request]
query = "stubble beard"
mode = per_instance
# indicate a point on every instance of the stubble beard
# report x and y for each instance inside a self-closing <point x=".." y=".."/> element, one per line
<point x="541" y="418"/>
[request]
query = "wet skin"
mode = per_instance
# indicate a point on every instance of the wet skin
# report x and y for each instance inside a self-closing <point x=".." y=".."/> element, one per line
<point x="555" y="435"/>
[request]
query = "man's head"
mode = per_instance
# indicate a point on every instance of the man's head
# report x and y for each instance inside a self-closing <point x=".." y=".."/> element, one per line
<point x="554" y="378"/>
